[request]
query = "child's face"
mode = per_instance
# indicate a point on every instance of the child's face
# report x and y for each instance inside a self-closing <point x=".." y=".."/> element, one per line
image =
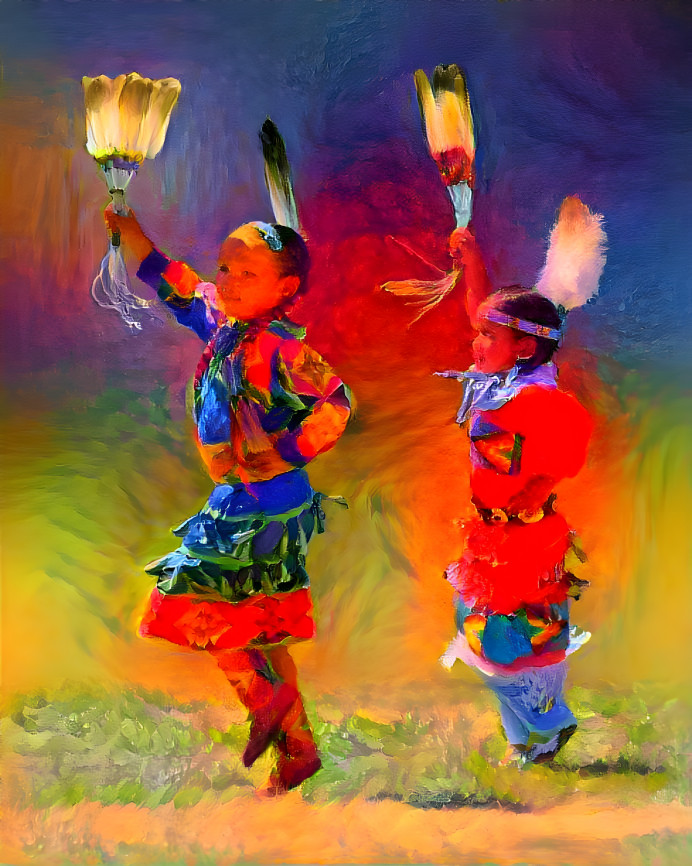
<point x="498" y="348"/>
<point x="249" y="284"/>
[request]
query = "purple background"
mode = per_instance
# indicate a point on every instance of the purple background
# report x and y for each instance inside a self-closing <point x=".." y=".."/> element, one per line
<point x="578" y="98"/>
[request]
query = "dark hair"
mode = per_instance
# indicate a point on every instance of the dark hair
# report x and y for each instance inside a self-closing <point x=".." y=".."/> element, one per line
<point x="530" y="305"/>
<point x="293" y="256"/>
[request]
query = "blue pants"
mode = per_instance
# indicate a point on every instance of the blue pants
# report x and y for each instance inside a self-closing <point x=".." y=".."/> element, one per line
<point x="534" y="714"/>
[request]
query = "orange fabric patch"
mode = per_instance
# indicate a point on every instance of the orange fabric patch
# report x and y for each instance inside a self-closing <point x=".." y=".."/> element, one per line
<point x="501" y="450"/>
<point x="257" y="360"/>
<point x="182" y="279"/>
<point x="473" y="631"/>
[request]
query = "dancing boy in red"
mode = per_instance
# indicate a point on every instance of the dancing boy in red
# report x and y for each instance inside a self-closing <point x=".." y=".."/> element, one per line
<point x="512" y="589"/>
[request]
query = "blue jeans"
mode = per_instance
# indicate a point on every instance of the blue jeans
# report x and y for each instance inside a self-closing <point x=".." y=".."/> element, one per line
<point x="536" y="719"/>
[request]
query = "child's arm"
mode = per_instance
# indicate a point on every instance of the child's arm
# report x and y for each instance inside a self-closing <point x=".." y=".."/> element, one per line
<point x="468" y="260"/>
<point x="550" y="431"/>
<point x="300" y="411"/>
<point x="327" y="401"/>
<point x="174" y="282"/>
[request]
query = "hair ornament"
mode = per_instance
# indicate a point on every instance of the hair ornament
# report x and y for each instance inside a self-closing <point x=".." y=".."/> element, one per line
<point x="270" y="236"/>
<point x="277" y="176"/>
<point x="522" y="325"/>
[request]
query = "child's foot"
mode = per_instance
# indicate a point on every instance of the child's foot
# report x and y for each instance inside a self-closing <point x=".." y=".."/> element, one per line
<point x="292" y="768"/>
<point x="549" y="750"/>
<point x="292" y="772"/>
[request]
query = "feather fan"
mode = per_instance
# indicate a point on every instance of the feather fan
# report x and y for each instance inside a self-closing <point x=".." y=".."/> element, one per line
<point x="446" y="113"/>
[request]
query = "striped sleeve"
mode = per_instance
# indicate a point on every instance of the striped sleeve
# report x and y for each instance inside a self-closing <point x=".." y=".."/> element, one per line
<point x="175" y="283"/>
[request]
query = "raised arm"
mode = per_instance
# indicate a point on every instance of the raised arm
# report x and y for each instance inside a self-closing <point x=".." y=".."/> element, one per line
<point x="468" y="260"/>
<point x="174" y="282"/>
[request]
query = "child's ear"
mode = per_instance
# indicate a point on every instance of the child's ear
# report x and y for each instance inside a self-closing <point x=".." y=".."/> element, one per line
<point x="526" y="347"/>
<point x="289" y="285"/>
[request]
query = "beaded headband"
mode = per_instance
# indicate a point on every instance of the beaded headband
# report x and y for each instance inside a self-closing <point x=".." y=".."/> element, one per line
<point x="522" y="325"/>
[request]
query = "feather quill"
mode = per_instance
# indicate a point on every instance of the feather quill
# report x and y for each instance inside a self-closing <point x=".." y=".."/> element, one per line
<point x="277" y="175"/>
<point x="576" y="256"/>
<point x="448" y="125"/>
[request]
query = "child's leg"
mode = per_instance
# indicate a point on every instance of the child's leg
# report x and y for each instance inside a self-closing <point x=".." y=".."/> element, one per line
<point x="515" y="730"/>
<point x="263" y="690"/>
<point x="298" y="756"/>
<point x="534" y="714"/>
<point x="295" y="724"/>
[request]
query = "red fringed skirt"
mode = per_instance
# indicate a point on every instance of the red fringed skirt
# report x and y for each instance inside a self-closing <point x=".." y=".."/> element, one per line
<point x="192" y="621"/>
<point x="507" y="566"/>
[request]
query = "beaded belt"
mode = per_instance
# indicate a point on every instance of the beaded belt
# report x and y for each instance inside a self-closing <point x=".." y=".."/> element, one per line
<point x="527" y="515"/>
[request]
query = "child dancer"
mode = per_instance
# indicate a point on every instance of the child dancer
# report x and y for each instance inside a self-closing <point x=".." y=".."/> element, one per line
<point x="512" y="590"/>
<point x="265" y="404"/>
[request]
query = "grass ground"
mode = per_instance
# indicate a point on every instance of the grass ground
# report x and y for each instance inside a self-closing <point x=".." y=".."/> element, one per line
<point x="134" y="777"/>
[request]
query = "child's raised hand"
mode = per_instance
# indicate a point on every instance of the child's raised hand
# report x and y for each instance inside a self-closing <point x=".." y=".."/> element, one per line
<point x="116" y="222"/>
<point x="127" y="228"/>
<point x="468" y="261"/>
<point x="459" y="242"/>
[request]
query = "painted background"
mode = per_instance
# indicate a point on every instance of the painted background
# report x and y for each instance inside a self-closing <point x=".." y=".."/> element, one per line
<point x="570" y="98"/>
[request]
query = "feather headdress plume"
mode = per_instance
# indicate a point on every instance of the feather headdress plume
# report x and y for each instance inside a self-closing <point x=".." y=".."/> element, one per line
<point x="576" y="256"/>
<point x="277" y="175"/>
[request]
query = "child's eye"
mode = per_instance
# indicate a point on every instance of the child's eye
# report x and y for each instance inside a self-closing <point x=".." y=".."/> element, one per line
<point x="247" y="274"/>
<point x="223" y="269"/>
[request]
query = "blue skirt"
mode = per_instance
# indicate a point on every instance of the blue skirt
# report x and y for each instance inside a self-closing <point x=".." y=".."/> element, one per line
<point x="247" y="540"/>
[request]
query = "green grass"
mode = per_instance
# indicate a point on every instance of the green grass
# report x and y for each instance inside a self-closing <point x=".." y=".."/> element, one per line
<point x="144" y="748"/>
